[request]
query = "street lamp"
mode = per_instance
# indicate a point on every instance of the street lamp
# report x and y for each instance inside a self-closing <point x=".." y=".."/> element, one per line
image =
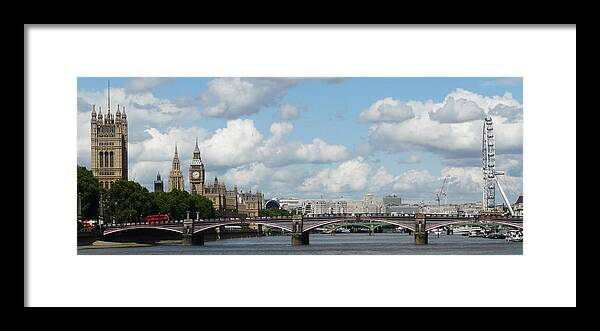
<point x="113" y="214"/>
<point x="79" y="206"/>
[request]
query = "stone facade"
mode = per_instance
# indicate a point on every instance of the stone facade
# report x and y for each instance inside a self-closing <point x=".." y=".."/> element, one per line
<point x="217" y="194"/>
<point x="176" y="176"/>
<point x="231" y="201"/>
<point x="109" y="139"/>
<point x="250" y="204"/>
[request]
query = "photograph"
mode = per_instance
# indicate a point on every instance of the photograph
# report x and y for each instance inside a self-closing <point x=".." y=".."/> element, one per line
<point x="300" y="165"/>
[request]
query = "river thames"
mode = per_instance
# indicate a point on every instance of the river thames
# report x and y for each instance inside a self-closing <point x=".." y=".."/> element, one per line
<point x="326" y="244"/>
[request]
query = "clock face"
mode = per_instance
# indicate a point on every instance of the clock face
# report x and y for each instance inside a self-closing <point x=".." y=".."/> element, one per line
<point x="195" y="174"/>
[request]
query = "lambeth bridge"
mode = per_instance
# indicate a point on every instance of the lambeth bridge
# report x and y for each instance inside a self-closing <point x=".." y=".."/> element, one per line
<point x="299" y="226"/>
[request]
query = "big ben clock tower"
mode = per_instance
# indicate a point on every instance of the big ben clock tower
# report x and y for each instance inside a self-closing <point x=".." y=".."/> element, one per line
<point x="196" y="173"/>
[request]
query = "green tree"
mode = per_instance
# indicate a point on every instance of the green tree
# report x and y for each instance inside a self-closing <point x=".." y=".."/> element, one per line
<point x="178" y="204"/>
<point x="273" y="212"/>
<point x="128" y="201"/>
<point x="203" y="205"/>
<point x="160" y="203"/>
<point x="89" y="190"/>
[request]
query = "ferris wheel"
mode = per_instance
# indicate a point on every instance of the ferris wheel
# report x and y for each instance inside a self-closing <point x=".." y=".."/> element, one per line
<point x="490" y="179"/>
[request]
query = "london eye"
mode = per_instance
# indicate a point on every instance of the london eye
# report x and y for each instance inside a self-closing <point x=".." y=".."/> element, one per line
<point x="490" y="179"/>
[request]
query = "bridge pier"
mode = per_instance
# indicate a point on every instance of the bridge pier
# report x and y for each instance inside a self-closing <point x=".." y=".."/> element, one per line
<point x="260" y="230"/>
<point x="298" y="236"/>
<point x="188" y="239"/>
<point x="219" y="231"/>
<point x="421" y="235"/>
<point x="421" y="238"/>
<point x="300" y="239"/>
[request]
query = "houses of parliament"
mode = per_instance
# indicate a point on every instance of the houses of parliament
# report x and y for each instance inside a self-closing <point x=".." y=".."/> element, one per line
<point x="109" y="146"/>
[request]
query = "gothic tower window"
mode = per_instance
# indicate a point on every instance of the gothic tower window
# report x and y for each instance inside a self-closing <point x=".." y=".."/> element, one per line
<point x="101" y="160"/>
<point x="111" y="159"/>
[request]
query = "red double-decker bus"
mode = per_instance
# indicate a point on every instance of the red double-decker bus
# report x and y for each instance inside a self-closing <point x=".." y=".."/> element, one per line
<point x="156" y="218"/>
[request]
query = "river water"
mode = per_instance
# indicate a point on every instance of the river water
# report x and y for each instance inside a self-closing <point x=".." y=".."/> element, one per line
<point x="326" y="244"/>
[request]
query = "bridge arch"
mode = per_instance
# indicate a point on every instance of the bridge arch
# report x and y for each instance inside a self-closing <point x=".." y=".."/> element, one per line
<point x="474" y="222"/>
<point x="110" y="231"/>
<point x="333" y="221"/>
<point x="200" y="228"/>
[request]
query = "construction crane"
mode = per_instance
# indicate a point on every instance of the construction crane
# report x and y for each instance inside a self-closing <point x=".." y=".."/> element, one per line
<point x="442" y="192"/>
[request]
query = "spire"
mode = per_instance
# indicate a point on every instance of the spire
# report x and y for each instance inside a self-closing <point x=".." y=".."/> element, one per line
<point x="196" y="150"/>
<point x="109" y="96"/>
<point x="108" y="116"/>
<point x="118" y="110"/>
<point x="175" y="160"/>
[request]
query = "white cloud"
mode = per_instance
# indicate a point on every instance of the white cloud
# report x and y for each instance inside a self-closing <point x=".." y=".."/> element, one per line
<point x="83" y="139"/>
<point x="288" y="112"/>
<point x="464" y="179"/>
<point x="411" y="159"/>
<point x="280" y="129"/>
<point x="462" y="106"/>
<point x="258" y="176"/>
<point x="234" y="97"/>
<point x="387" y="110"/>
<point x="240" y="143"/>
<point x="143" y="84"/>
<point x="144" y="172"/>
<point x="457" y="111"/>
<point x="381" y="180"/>
<point x="160" y="146"/>
<point x="349" y="176"/>
<point x="484" y="102"/>
<point x="414" y="181"/>
<point x="233" y="145"/>
<point x="319" y="151"/>
<point x="250" y="175"/>
<point x="510" y="113"/>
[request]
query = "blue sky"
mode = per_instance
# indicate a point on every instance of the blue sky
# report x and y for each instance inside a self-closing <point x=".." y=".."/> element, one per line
<point x="327" y="137"/>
